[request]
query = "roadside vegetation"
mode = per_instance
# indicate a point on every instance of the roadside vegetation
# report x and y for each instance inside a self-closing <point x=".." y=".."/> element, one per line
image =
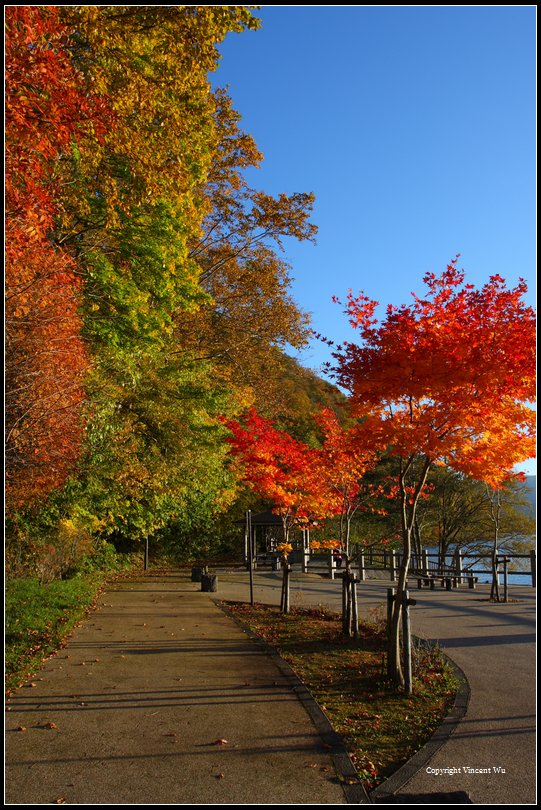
<point x="40" y="615"/>
<point x="381" y="726"/>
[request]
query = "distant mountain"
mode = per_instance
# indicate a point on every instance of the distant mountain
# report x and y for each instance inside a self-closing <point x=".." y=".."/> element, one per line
<point x="530" y="493"/>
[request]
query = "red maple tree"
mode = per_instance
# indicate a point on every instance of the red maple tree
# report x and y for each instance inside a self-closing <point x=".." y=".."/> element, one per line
<point x="342" y="465"/>
<point x="447" y="379"/>
<point x="279" y="468"/>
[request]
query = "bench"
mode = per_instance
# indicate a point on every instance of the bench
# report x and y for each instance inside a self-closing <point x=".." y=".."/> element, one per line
<point x="430" y="580"/>
<point x="271" y="558"/>
<point x="448" y="581"/>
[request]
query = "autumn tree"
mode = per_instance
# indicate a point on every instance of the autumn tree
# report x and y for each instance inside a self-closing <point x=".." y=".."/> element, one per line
<point x="249" y="313"/>
<point x="181" y="282"/>
<point x="447" y="379"/>
<point x="132" y="209"/>
<point x="146" y="293"/>
<point x="502" y="520"/>
<point x="47" y="112"/>
<point x="281" y="470"/>
<point x="456" y="515"/>
<point x="343" y="463"/>
<point x="278" y="468"/>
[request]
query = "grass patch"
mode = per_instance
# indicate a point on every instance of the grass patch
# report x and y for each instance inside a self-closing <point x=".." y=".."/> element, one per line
<point x="381" y="728"/>
<point x="39" y="617"/>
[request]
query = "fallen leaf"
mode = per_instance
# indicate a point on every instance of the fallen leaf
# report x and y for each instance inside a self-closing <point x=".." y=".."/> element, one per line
<point x="60" y="800"/>
<point x="219" y="742"/>
<point x="220" y="775"/>
<point x="50" y="724"/>
<point x="21" y="728"/>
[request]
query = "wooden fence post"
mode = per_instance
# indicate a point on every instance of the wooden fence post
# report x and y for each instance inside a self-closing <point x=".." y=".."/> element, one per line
<point x="393" y="564"/>
<point x="362" y="573"/>
<point x="424" y="563"/>
<point x="458" y="564"/>
<point x="505" y="579"/>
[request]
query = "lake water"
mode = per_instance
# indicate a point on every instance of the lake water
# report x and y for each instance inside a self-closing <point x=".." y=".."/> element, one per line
<point x="484" y="564"/>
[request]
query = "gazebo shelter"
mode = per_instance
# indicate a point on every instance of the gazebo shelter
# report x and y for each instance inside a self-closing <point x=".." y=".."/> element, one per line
<point x="267" y="533"/>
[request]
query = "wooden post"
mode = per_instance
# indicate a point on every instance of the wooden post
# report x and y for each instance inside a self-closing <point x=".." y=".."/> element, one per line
<point x="393" y="564"/>
<point x="250" y="552"/>
<point x="305" y="550"/>
<point x="287" y="569"/>
<point x="344" y="603"/>
<point x="145" y="563"/>
<point x="424" y="562"/>
<point x="406" y="643"/>
<point x="505" y="579"/>
<point x="332" y="566"/>
<point x="391" y="595"/>
<point x="458" y="564"/>
<point x="533" y="566"/>
<point x="354" y="608"/>
<point x="362" y="573"/>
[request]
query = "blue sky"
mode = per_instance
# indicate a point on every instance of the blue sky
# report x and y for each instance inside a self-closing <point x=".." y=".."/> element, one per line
<point x="415" y="127"/>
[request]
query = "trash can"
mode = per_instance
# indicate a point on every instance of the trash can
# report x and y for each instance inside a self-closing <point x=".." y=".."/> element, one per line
<point x="209" y="583"/>
<point x="197" y="573"/>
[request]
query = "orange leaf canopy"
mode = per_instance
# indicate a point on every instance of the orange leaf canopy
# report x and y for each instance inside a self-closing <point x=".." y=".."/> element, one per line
<point x="278" y="467"/>
<point x="449" y="377"/>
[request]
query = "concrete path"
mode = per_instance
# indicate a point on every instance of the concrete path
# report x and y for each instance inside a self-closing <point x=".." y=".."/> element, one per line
<point x="160" y="698"/>
<point x="491" y="754"/>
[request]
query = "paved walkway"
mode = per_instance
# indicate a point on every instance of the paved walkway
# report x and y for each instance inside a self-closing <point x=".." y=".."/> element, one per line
<point x="491" y="754"/>
<point x="160" y="698"/>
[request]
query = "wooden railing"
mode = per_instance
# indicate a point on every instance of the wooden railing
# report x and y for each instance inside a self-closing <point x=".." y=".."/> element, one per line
<point x="460" y="565"/>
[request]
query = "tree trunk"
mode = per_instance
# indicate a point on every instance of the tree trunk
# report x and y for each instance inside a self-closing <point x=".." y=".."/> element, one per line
<point x="495" y="506"/>
<point x="394" y="662"/>
<point x="407" y="516"/>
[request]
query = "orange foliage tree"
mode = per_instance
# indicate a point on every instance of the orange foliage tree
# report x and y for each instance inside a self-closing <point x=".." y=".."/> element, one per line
<point x="342" y="465"/>
<point x="46" y="109"/>
<point x="281" y="470"/>
<point x="447" y="379"/>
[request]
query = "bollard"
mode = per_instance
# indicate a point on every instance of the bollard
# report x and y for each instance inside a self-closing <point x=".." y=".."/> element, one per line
<point x="209" y="583"/>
